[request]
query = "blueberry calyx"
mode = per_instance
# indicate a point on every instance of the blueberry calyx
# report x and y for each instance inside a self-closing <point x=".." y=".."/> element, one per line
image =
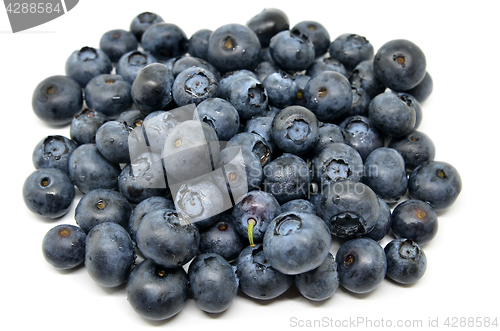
<point x="348" y="224"/>
<point x="337" y="169"/>
<point x="87" y="53"/>
<point x="288" y="225"/>
<point x="349" y="260"/>
<point x="409" y="250"/>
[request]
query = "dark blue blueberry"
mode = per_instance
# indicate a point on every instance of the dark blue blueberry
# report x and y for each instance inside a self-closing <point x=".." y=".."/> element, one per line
<point x="90" y="170"/>
<point x="318" y="35"/>
<point x="131" y="63"/>
<point x="406" y="261"/>
<point x="399" y="64"/>
<point x="63" y="246"/>
<point x="152" y="88"/>
<point x="416" y="220"/>
<point x="84" y="126"/>
<point x="265" y="68"/>
<point x="286" y="178"/>
<point x="229" y="77"/>
<point x="102" y="205"/>
<point x="267" y="23"/>
<point x="364" y="77"/>
<point x="117" y="42"/>
<point x="300" y="205"/>
<point x="292" y="50"/>
<point x="112" y="141"/>
<point x="109" y="254"/>
<point x="301" y="82"/>
<point x="133" y="118"/>
<point x="222" y="238"/>
<point x="256" y="143"/>
<point x="295" y="130"/>
<point x="416" y="148"/>
<point x="297" y="242"/>
<point x="423" y="89"/>
<point x="281" y="89"/>
<point x="53" y="152"/>
<point x="327" y="134"/>
<point x="248" y="96"/>
<point x="258" y="279"/>
<point x="185" y="62"/>
<point x="437" y="183"/>
<point x="198" y="44"/>
<point x="167" y="239"/>
<point x="328" y="95"/>
<point x="213" y="283"/>
<point x="384" y="222"/>
<point x="142" y="22"/>
<point x="48" y="192"/>
<point x="361" y="134"/>
<point x="164" y="41"/>
<point x="413" y="103"/>
<point x="362" y="265"/>
<point x="194" y="85"/>
<point x="144" y="207"/>
<point x="108" y="94"/>
<point x="326" y="64"/>
<point x="57" y="99"/>
<point x="155" y="292"/>
<point x="350" y="208"/>
<point x="233" y="47"/>
<point x="321" y="283"/>
<point x="262" y="125"/>
<point x="220" y="115"/>
<point x="351" y="49"/>
<point x="86" y="63"/>
<point x="392" y="115"/>
<point x="360" y="102"/>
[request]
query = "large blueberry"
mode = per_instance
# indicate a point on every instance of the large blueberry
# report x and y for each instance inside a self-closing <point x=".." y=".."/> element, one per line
<point x="164" y="40"/>
<point x="85" y="125"/>
<point x="351" y="49"/>
<point x="321" y="283"/>
<point x="267" y="23"/>
<point x="86" y="63"/>
<point x="63" y="246"/>
<point x="406" y="261"/>
<point x="131" y="63"/>
<point x="108" y="94"/>
<point x="117" y="42"/>
<point x="335" y="162"/>
<point x="53" y="152"/>
<point x="416" y="220"/>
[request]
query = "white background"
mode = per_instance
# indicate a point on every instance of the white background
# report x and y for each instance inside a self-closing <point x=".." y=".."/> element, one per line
<point x="461" y="117"/>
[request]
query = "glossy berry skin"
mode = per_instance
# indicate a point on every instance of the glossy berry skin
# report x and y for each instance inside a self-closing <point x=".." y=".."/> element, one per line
<point x="416" y="220"/>
<point x="108" y="94"/>
<point x="213" y="283"/>
<point x="142" y="22"/>
<point x="233" y="47"/>
<point x="362" y="135"/>
<point x="328" y="95"/>
<point x="254" y="142"/>
<point x="152" y="88"/>
<point x="157" y="293"/>
<point x="321" y="283"/>
<point x="184" y="62"/>
<point x="262" y="125"/>
<point x="413" y="103"/>
<point x="362" y="265"/>
<point x="385" y="174"/>
<point x="416" y="148"/>
<point x="198" y="44"/>
<point x="53" y="152"/>
<point x="406" y="261"/>
<point x="326" y="64"/>
<point x="117" y="42"/>
<point x="281" y="89"/>
<point x="109" y="254"/>
<point x="300" y="205"/>
<point x="248" y="96"/>
<point x="220" y="115"/>
<point x="57" y="99"/>
<point x="112" y="141"/>
<point x="194" y="85"/>
<point x="164" y="41"/>
<point x="363" y="76"/>
<point x="229" y="77"/>
<point x="131" y="63"/>
<point x="265" y="68"/>
<point x="384" y="223"/>
<point x="258" y="279"/>
<point x="86" y="63"/>
<point x="167" y="239"/>
<point x="222" y="238"/>
<point x="90" y="170"/>
<point x="435" y="182"/>
<point x="84" y="126"/>
<point x="423" y="89"/>
<point x="392" y="115"/>
<point x="360" y="102"/>
<point x="48" y="192"/>
<point x="295" y="130"/>
<point x="297" y="242"/>
<point x="268" y="23"/>
<point x="102" y="205"/>
<point x="351" y="49"/>
<point x="318" y="35"/>
<point x="328" y="133"/>
<point x="399" y="64"/>
<point x="144" y="207"/>
<point x="292" y="50"/>
<point x="63" y="246"/>
<point x="133" y="118"/>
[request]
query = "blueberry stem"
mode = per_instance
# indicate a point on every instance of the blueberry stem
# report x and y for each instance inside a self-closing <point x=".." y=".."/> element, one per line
<point x="251" y="224"/>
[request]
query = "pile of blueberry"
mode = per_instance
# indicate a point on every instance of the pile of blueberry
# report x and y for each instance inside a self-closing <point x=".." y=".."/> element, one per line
<point x="238" y="155"/>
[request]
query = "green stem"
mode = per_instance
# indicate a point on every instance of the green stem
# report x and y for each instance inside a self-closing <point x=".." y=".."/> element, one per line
<point x="251" y="224"/>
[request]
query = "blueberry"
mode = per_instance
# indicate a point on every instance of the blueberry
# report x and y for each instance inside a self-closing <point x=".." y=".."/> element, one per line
<point x="229" y="77"/>
<point x="321" y="283"/>
<point x="185" y="62"/>
<point x="86" y="63"/>
<point x="264" y="69"/>
<point x="112" y="141"/>
<point x="351" y="49"/>
<point x="131" y="63"/>
<point x="142" y="22"/>
<point x="220" y="115"/>
<point x="194" y="85"/>
<point x="328" y="95"/>
<point x="300" y="205"/>
<point x="416" y="148"/>
<point x="133" y="118"/>
<point x="198" y="44"/>
<point x="213" y="283"/>
<point x="145" y="206"/>
<point x="361" y="134"/>
<point x="85" y="124"/>
<point x="117" y="42"/>
<point x="327" y="134"/>
<point x="392" y="115"/>
<point x="53" y="152"/>
<point x="262" y="125"/>
<point x="109" y="254"/>
<point x="268" y="23"/>
<point x="257" y="278"/>
<point x="102" y="205"/>
<point x="416" y="220"/>
<point x="399" y="64"/>
<point x="90" y="170"/>
<point x="57" y="99"/>
<point x="318" y="35"/>
<point x="292" y="50"/>
<point x="435" y="182"/>
<point x="362" y="265"/>
<point x="233" y="47"/>
<point x="164" y="40"/>
<point x="248" y="96"/>
<point x="108" y="94"/>
<point x="166" y="239"/>
<point x="254" y="142"/>
<point x="363" y="76"/>
<point x="406" y="261"/>
<point x="281" y="89"/>
<point x="297" y="242"/>
<point x="384" y="223"/>
<point x="360" y="102"/>
<point x="326" y="64"/>
<point x="413" y="103"/>
<point x="423" y="89"/>
<point x="63" y="246"/>
<point x="48" y="192"/>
